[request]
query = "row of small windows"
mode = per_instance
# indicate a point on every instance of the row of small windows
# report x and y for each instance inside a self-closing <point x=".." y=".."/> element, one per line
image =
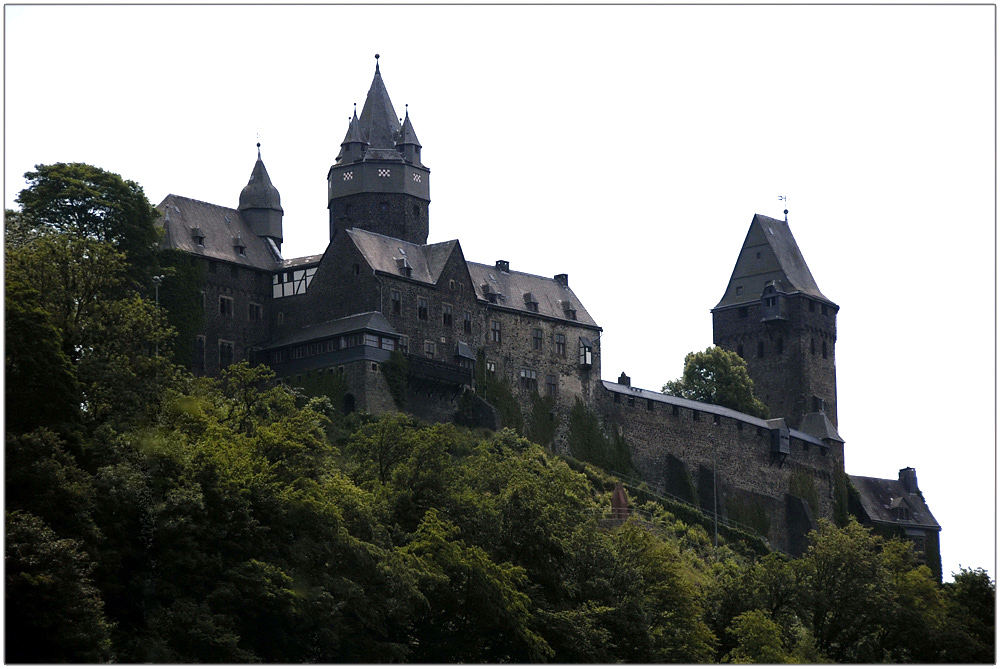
<point x="227" y="308"/>
<point x="423" y="311"/>
<point x="529" y="381"/>
<point x="333" y="344"/>
<point x="779" y="348"/>
<point x="771" y="301"/>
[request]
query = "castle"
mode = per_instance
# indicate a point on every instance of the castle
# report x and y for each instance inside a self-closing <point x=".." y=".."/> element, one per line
<point x="379" y="291"/>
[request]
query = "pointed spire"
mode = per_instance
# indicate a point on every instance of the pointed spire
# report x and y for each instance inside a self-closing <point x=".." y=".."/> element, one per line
<point x="260" y="193"/>
<point x="378" y="118"/>
<point x="406" y="133"/>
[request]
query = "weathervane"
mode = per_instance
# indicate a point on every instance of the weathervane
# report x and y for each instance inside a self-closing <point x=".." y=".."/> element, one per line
<point x="784" y="198"/>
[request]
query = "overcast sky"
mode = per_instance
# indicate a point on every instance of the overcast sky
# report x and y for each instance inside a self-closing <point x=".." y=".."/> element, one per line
<point x="627" y="146"/>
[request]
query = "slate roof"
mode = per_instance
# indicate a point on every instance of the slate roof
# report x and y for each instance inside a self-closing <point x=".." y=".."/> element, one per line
<point x="880" y="497"/>
<point x="780" y="261"/>
<point x="818" y="424"/>
<point x="379" y="123"/>
<point x="382" y="254"/>
<point x="219" y="226"/>
<point x="713" y="409"/>
<point x="260" y="193"/>
<point x="302" y="260"/>
<point x="549" y="293"/>
<point x="370" y="320"/>
<point x="406" y="133"/>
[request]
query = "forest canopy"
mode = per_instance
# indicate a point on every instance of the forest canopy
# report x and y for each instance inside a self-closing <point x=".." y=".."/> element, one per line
<point x="153" y="516"/>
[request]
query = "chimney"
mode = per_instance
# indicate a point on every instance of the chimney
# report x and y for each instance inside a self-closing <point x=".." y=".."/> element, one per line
<point x="503" y="265"/>
<point x="908" y="477"/>
<point x="625" y="380"/>
<point x="562" y="280"/>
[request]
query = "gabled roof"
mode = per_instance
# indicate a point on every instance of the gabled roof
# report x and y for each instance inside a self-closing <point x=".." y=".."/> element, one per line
<point x="379" y="123"/>
<point x="384" y="254"/>
<point x="769" y="254"/>
<point x="818" y="424"/>
<point x="219" y="226"/>
<point x="371" y="321"/>
<point x="881" y="497"/>
<point x="550" y="295"/>
<point x="260" y="193"/>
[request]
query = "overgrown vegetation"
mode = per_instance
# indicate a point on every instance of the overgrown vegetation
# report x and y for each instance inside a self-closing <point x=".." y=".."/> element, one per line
<point x="396" y="371"/>
<point x="587" y="441"/>
<point x="497" y="392"/>
<point x="154" y="517"/>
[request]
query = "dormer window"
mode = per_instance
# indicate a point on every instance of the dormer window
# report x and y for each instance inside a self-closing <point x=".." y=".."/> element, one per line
<point x="239" y="247"/>
<point x="403" y="265"/>
<point x="771" y="303"/>
<point x="568" y="310"/>
<point x="586" y="352"/>
<point x="197" y="236"/>
<point x="530" y="303"/>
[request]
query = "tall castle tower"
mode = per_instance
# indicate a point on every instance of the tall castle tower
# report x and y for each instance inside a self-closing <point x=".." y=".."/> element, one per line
<point x="775" y="317"/>
<point x="378" y="182"/>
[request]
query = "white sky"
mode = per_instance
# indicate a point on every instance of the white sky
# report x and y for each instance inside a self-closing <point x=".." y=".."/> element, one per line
<point x="627" y="146"/>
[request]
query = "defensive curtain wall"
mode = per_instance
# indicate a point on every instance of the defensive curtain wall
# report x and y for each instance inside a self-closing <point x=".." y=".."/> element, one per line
<point x="756" y="472"/>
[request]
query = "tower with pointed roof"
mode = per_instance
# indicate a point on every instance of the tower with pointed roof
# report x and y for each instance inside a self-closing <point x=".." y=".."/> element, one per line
<point x="378" y="182"/>
<point x="775" y="317"/>
<point x="260" y="204"/>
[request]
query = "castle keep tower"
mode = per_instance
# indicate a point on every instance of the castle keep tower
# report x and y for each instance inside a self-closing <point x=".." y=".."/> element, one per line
<point x="378" y="182"/>
<point x="775" y="317"/>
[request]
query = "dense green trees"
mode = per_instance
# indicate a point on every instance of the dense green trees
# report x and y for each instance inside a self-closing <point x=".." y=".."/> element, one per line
<point x="717" y="376"/>
<point x="156" y="517"/>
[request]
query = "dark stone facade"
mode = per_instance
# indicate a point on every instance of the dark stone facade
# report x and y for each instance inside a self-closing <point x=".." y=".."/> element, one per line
<point x="339" y="319"/>
<point x="791" y="359"/>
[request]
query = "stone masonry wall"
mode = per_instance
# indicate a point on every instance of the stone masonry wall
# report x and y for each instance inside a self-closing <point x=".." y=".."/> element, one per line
<point x="392" y="214"/>
<point x="241" y="287"/>
<point x="659" y="434"/>
<point x="785" y="357"/>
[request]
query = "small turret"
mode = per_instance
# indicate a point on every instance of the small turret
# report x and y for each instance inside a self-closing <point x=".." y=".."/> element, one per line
<point x="260" y="203"/>
<point x="352" y="149"/>
<point x="407" y="143"/>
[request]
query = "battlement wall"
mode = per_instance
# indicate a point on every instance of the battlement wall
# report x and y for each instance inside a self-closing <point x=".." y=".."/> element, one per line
<point x="688" y="448"/>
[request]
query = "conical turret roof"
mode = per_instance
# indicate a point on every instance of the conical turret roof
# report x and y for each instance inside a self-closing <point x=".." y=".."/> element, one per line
<point x="406" y="133"/>
<point x="353" y="131"/>
<point x="260" y="193"/>
<point x="379" y="124"/>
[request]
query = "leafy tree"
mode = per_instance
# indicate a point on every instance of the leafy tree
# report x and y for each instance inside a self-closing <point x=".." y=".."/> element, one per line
<point x="969" y="632"/>
<point x="55" y="614"/>
<point x="717" y="376"/>
<point x="588" y="442"/>
<point x="88" y="202"/>
<point x="759" y="640"/>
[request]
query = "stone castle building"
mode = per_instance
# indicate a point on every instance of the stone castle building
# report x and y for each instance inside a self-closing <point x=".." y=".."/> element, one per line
<point x="380" y="288"/>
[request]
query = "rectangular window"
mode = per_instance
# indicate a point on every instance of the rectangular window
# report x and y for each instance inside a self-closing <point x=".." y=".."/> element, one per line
<point x="495" y="331"/>
<point x="550" y="385"/>
<point x="586" y="354"/>
<point x="650" y="405"/>
<point x="422" y="308"/>
<point x="561" y="345"/>
<point x="225" y="353"/>
<point x="824" y="309"/>
<point x="371" y="340"/>
<point x="388" y="344"/>
<point x="491" y="367"/>
<point x="429" y="348"/>
<point x="225" y="305"/>
<point x="256" y="313"/>
<point x="812" y="306"/>
<point x="397" y="302"/>
<point x="824" y="350"/>
<point x="467" y="322"/>
<point x="204" y="301"/>
<point x="529" y="379"/>
<point x="743" y="312"/>
<point x="446" y="315"/>
<point x="536" y="339"/>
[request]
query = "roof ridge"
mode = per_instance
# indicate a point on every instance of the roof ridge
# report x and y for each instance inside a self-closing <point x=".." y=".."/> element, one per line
<point x="514" y="271"/>
<point x="192" y="199"/>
